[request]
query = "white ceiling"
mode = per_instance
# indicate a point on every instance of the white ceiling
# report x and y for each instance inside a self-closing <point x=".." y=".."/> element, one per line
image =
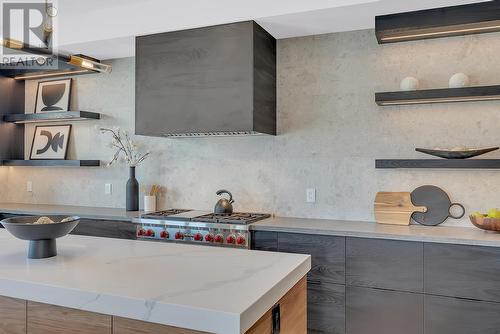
<point x="106" y="28"/>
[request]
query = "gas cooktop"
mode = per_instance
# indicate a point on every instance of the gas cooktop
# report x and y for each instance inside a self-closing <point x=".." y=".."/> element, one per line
<point x="200" y="216"/>
<point x="201" y="227"/>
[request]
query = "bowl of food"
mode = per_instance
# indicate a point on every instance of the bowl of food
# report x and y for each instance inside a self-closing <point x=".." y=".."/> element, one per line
<point x="488" y="222"/>
<point x="41" y="232"/>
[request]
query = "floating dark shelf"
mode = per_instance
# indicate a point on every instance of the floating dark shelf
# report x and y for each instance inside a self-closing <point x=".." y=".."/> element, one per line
<point x="439" y="163"/>
<point x="51" y="117"/>
<point x="52" y="163"/>
<point x="444" y="95"/>
<point x="467" y="19"/>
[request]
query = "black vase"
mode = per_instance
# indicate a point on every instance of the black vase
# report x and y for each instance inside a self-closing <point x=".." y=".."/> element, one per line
<point x="132" y="192"/>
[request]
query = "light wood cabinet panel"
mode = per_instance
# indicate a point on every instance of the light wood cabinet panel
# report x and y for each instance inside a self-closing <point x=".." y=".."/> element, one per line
<point x="129" y="326"/>
<point x="293" y="313"/>
<point x="45" y="318"/>
<point x="12" y="316"/>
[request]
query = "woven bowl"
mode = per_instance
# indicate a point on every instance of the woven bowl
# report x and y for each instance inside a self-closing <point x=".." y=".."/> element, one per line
<point x="485" y="223"/>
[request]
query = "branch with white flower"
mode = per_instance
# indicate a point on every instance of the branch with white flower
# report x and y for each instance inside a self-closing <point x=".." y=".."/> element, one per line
<point x="125" y="148"/>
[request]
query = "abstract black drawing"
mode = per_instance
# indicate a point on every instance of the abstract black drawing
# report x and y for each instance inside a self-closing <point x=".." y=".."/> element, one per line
<point x="53" y="96"/>
<point x="50" y="142"/>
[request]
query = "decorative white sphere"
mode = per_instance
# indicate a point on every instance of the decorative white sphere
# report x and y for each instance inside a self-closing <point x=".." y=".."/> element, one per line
<point x="409" y="83"/>
<point x="459" y="80"/>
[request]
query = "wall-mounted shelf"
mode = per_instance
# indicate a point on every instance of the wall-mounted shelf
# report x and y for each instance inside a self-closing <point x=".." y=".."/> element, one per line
<point x="467" y="19"/>
<point x="52" y="163"/>
<point x="445" y="95"/>
<point x="439" y="163"/>
<point x="51" y="117"/>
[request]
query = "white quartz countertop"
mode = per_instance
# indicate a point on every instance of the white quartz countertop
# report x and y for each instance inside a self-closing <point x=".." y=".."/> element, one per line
<point x="81" y="211"/>
<point x="439" y="234"/>
<point x="210" y="289"/>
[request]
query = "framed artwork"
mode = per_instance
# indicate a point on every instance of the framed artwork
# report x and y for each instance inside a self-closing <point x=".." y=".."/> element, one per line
<point x="53" y="96"/>
<point x="50" y="142"/>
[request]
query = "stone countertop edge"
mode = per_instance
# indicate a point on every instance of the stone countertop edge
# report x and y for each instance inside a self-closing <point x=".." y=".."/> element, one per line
<point x="87" y="212"/>
<point x="362" y="229"/>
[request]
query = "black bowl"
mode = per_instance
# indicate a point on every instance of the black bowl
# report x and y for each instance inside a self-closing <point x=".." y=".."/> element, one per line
<point x="448" y="154"/>
<point x="42" y="237"/>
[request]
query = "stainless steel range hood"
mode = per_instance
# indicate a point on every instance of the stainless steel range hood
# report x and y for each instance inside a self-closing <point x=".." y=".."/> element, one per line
<point x="42" y="63"/>
<point x="212" y="81"/>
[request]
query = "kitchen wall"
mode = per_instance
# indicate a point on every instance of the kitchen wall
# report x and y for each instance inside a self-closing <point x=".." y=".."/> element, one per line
<point x="331" y="132"/>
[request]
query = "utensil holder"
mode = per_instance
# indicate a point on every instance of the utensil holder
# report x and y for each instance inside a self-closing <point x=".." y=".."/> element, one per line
<point x="149" y="203"/>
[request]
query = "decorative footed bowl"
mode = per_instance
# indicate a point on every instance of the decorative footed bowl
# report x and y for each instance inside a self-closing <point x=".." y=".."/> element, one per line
<point x="485" y="223"/>
<point x="42" y="236"/>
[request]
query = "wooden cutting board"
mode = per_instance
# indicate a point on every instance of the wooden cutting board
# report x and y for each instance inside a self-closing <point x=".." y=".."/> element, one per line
<point x="395" y="208"/>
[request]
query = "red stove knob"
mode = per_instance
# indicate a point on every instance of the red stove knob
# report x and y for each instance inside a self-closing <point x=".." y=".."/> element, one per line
<point x="240" y="240"/>
<point x="141" y="232"/>
<point x="230" y="239"/>
<point x="209" y="237"/>
<point x="179" y="235"/>
<point x="198" y="237"/>
<point x="150" y="233"/>
<point x="164" y="234"/>
<point x="219" y="238"/>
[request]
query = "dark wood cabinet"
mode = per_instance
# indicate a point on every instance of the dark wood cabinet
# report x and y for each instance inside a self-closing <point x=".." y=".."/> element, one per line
<point x="462" y="271"/>
<point x="106" y="228"/>
<point x="376" y="311"/>
<point x="265" y="241"/>
<point x="325" y="308"/>
<point x="379" y="286"/>
<point x="327" y="255"/>
<point x="447" y="315"/>
<point x="11" y="135"/>
<point x="386" y="264"/>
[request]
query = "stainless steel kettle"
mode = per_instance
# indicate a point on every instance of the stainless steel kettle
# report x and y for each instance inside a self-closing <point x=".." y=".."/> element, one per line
<point x="224" y="205"/>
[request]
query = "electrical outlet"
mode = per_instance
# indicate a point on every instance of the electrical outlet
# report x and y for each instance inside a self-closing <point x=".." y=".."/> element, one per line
<point x="108" y="188"/>
<point x="310" y="195"/>
<point x="29" y="186"/>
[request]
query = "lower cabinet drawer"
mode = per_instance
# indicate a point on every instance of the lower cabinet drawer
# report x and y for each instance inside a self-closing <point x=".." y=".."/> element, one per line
<point x="106" y="228"/>
<point x="447" y="315"/>
<point x="375" y="311"/>
<point x="327" y="254"/>
<point x="470" y="272"/>
<point x="265" y="241"/>
<point x="325" y="308"/>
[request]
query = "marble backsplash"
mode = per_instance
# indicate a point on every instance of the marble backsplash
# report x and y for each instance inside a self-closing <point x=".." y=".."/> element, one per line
<point x="330" y="133"/>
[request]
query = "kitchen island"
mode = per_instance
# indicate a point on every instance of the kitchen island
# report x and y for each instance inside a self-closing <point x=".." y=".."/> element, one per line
<point x="99" y="285"/>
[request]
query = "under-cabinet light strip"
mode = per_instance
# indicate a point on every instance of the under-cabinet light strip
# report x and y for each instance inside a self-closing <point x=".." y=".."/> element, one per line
<point x="442" y="33"/>
<point x="48" y="120"/>
<point x="441" y="100"/>
<point x="48" y="75"/>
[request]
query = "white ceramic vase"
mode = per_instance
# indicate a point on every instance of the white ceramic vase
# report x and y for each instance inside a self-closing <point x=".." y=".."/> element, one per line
<point x="459" y="80"/>
<point x="409" y="83"/>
